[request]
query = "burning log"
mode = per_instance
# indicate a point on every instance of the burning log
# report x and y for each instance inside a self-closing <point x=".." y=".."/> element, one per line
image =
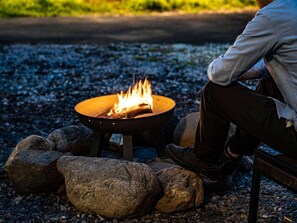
<point x="128" y="113"/>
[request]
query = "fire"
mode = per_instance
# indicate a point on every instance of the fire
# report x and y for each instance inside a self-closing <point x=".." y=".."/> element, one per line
<point x="136" y="98"/>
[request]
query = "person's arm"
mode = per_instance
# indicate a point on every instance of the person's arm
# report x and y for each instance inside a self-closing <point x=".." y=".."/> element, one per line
<point x="259" y="70"/>
<point x="254" y="43"/>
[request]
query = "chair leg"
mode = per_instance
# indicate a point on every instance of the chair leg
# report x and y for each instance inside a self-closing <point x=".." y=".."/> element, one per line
<point x="254" y="197"/>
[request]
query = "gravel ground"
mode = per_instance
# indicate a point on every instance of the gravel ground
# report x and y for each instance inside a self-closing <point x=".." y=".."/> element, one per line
<point x="40" y="84"/>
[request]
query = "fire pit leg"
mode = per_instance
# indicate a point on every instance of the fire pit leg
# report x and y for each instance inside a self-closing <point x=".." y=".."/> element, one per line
<point x="127" y="147"/>
<point x="159" y="142"/>
<point x="95" y="146"/>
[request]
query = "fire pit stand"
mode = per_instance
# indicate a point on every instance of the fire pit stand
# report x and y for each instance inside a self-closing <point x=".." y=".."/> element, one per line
<point x="162" y="113"/>
<point x="158" y="142"/>
<point x="96" y="146"/>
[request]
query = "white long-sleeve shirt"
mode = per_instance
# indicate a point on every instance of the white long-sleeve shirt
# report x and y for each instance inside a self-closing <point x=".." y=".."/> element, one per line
<point x="271" y="35"/>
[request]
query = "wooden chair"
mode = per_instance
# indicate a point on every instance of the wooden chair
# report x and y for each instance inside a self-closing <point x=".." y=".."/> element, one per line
<point x="279" y="168"/>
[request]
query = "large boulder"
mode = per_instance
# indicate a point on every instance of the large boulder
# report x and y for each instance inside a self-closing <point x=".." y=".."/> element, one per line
<point x="34" y="171"/>
<point x="183" y="190"/>
<point x="74" y="139"/>
<point x="109" y="187"/>
<point x="32" y="142"/>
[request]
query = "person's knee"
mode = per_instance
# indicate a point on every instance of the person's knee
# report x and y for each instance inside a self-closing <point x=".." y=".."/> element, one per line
<point x="210" y="89"/>
<point x="207" y="88"/>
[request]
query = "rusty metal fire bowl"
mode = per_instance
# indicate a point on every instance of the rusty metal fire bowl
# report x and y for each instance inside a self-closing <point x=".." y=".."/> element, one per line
<point x="87" y="111"/>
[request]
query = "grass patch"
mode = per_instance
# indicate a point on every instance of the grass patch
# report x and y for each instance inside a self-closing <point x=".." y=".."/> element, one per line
<point x="40" y="8"/>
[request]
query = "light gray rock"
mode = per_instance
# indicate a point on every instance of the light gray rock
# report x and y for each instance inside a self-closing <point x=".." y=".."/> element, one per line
<point x="73" y="139"/>
<point x="109" y="187"/>
<point x="183" y="190"/>
<point x="34" y="171"/>
<point x="32" y="142"/>
<point x="185" y="131"/>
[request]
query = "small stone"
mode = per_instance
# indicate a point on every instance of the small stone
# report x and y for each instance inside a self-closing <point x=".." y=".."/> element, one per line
<point x="223" y="210"/>
<point x="18" y="200"/>
<point x="100" y="217"/>
<point x="233" y="198"/>
<point x="265" y="216"/>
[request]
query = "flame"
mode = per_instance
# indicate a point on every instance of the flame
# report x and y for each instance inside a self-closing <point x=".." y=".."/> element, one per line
<point x="140" y="94"/>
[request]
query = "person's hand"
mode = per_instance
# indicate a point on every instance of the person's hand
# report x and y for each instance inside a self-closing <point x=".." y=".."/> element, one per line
<point x="249" y="76"/>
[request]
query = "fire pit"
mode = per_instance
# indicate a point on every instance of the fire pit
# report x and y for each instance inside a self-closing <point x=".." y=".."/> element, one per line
<point x="93" y="113"/>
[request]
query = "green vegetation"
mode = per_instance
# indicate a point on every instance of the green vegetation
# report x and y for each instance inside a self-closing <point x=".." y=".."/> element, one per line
<point x="14" y="8"/>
